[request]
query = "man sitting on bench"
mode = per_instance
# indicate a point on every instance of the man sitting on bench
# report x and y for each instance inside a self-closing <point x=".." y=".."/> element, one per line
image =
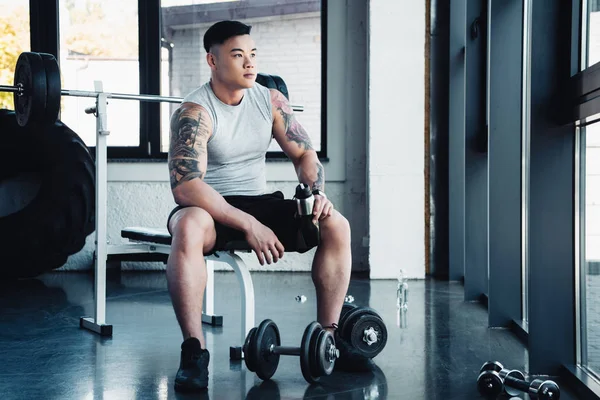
<point x="218" y="141"/>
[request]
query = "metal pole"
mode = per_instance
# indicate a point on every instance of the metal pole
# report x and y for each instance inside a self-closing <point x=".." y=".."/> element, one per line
<point x="14" y="89"/>
<point x="120" y="96"/>
<point x="137" y="97"/>
<point x="101" y="206"/>
<point x="123" y="96"/>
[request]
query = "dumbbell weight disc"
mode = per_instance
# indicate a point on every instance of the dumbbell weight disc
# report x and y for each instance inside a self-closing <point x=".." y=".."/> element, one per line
<point x="366" y="323"/>
<point x="320" y="352"/>
<point x="30" y="74"/>
<point x="267" y="335"/>
<point x="307" y="363"/>
<point x="346" y="326"/>
<point x="491" y="366"/>
<point x="53" y="91"/>
<point x="544" y="390"/>
<point x="346" y="308"/>
<point x="249" y="344"/>
<point x="489" y="384"/>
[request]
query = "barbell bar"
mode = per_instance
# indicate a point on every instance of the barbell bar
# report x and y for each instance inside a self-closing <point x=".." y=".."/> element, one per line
<point x="84" y="93"/>
<point x="37" y="90"/>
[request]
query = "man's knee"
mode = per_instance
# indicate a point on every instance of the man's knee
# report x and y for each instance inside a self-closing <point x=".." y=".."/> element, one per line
<point x="335" y="228"/>
<point x="192" y="227"/>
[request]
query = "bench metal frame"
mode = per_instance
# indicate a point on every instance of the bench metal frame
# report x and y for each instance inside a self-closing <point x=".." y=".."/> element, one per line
<point x="97" y="323"/>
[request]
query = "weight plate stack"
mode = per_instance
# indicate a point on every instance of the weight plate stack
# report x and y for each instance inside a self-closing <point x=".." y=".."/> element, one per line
<point x="307" y="362"/>
<point x="267" y="335"/>
<point x="30" y="74"/>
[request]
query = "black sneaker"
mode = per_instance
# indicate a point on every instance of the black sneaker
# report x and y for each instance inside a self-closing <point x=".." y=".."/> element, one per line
<point x="192" y="375"/>
<point x="350" y="360"/>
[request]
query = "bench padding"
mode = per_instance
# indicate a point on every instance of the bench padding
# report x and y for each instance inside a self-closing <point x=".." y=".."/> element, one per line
<point x="152" y="235"/>
<point x="162" y="236"/>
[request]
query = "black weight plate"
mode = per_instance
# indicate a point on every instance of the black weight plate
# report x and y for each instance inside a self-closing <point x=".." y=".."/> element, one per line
<point x="267" y="335"/>
<point x="363" y="324"/>
<point x="350" y="318"/>
<point x="548" y="390"/>
<point x="369" y="310"/>
<point x="250" y="349"/>
<point x="315" y="371"/>
<point x="31" y="75"/>
<point x="305" y="351"/>
<point x="324" y="342"/>
<point x="489" y="384"/>
<point x="53" y="93"/>
<point x="346" y="308"/>
<point x="491" y="366"/>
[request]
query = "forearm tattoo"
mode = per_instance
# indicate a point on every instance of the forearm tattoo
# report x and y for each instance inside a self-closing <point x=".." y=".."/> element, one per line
<point x="320" y="182"/>
<point x="294" y="132"/>
<point x="187" y="147"/>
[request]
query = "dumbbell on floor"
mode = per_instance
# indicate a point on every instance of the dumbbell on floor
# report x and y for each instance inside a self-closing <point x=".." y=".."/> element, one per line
<point x="317" y="351"/>
<point x="494" y="379"/>
<point x="362" y="328"/>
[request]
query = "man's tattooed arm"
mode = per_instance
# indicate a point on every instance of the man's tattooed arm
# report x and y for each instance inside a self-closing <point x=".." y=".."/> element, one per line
<point x="319" y="183"/>
<point x="294" y="132"/>
<point x="295" y="142"/>
<point x="190" y="130"/>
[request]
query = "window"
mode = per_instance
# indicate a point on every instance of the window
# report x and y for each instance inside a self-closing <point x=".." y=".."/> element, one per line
<point x="99" y="41"/>
<point x="14" y="29"/>
<point x="589" y="208"/>
<point x="288" y="38"/>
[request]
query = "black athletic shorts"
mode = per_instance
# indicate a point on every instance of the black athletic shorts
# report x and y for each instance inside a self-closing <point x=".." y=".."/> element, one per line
<point x="272" y="210"/>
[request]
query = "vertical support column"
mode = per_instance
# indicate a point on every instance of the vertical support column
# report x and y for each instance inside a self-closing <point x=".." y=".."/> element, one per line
<point x="456" y="141"/>
<point x="101" y="204"/>
<point x="504" y="161"/>
<point x="438" y="102"/>
<point x="552" y="202"/>
<point x="43" y="22"/>
<point x="97" y="324"/>
<point x="476" y="160"/>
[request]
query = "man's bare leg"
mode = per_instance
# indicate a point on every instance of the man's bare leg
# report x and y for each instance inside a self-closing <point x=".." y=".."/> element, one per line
<point x="193" y="233"/>
<point x="331" y="268"/>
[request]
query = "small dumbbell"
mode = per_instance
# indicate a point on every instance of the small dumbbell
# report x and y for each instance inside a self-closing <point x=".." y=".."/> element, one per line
<point x="362" y="328"/>
<point x="317" y="352"/>
<point x="492" y="384"/>
<point x="494" y="379"/>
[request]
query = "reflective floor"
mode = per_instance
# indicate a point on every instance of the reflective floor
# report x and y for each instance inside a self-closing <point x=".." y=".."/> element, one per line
<point x="434" y="351"/>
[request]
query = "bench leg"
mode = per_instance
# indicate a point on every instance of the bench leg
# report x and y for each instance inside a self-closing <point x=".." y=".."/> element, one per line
<point x="208" y="307"/>
<point x="247" y="299"/>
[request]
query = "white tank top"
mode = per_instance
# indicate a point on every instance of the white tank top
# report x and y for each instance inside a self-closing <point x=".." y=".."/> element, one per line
<point x="239" y="142"/>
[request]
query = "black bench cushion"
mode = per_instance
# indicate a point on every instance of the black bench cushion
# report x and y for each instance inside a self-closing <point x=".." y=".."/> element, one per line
<point x="152" y="235"/>
<point x="273" y="82"/>
<point x="162" y="236"/>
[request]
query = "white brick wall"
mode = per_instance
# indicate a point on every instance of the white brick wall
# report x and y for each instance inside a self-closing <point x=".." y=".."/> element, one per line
<point x="287" y="46"/>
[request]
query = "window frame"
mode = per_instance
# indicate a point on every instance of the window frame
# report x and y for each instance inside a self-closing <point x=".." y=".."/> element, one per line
<point x="45" y="31"/>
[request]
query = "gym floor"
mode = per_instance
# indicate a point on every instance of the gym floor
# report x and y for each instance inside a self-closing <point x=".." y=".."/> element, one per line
<point x="434" y="351"/>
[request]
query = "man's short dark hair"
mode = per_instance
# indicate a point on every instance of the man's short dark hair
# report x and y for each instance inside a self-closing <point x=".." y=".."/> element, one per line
<point x="221" y="31"/>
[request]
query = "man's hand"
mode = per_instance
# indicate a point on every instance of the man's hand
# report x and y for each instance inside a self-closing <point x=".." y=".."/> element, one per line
<point x="322" y="208"/>
<point x="264" y="243"/>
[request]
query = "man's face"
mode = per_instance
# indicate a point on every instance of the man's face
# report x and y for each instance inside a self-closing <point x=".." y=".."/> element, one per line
<point x="235" y="62"/>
